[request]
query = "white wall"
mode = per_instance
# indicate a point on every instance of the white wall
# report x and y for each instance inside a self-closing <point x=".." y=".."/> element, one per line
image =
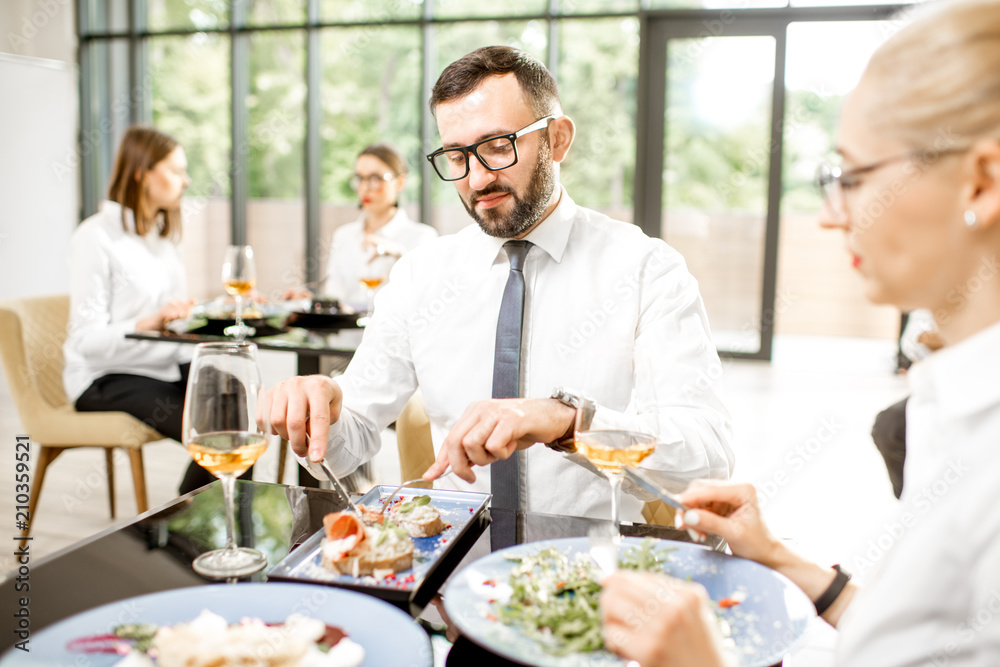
<point x="39" y="179"/>
<point x="39" y="182"/>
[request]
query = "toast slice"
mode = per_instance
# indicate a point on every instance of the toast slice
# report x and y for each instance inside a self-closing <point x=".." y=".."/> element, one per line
<point x="420" y="520"/>
<point x="382" y="547"/>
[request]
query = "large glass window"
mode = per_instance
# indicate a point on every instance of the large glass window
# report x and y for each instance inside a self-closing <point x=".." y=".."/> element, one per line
<point x="189" y="77"/>
<point x="703" y="178"/>
<point x="715" y="176"/>
<point x="370" y="94"/>
<point x="275" y="146"/>
<point x="599" y="172"/>
<point x="810" y="300"/>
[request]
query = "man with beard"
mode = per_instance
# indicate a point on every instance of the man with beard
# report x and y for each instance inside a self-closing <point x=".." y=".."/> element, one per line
<point x="491" y="329"/>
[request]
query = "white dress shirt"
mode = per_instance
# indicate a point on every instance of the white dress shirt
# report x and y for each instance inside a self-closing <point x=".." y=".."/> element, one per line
<point x="608" y="312"/>
<point x="116" y="279"/>
<point x="348" y="254"/>
<point x="934" y="592"/>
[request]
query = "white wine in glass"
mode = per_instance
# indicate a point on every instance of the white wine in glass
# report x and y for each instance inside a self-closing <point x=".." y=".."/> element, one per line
<point x="222" y="434"/>
<point x="239" y="277"/>
<point x="374" y="274"/>
<point x="610" y="451"/>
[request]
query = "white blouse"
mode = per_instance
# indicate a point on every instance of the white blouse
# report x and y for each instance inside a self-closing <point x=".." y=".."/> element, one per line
<point x="117" y="278"/>
<point x="933" y="590"/>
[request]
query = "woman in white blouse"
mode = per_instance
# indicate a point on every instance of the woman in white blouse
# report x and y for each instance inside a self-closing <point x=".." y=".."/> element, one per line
<point x="383" y="228"/>
<point x="126" y="275"/>
<point x="918" y="198"/>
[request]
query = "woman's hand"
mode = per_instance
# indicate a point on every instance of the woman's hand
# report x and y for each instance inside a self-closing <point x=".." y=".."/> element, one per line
<point x="173" y="310"/>
<point x="659" y="621"/>
<point x="730" y="510"/>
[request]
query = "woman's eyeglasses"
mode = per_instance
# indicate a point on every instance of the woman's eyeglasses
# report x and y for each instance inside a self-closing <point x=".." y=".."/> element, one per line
<point x="371" y="180"/>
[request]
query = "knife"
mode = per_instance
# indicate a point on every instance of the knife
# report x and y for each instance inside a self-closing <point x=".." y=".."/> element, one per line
<point x="321" y="466"/>
<point x="643" y="480"/>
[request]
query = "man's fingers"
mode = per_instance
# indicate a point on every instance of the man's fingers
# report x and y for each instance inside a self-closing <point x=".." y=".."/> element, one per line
<point x="438" y="467"/>
<point x="319" y="424"/>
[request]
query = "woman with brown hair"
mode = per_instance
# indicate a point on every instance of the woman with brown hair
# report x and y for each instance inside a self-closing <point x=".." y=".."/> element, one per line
<point x="126" y="275"/>
<point x="918" y="198"/>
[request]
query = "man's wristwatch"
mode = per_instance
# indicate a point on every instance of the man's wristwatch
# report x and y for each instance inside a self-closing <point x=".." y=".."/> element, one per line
<point x="584" y="415"/>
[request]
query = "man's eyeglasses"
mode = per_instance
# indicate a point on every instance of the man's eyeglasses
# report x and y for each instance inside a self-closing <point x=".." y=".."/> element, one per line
<point x="495" y="153"/>
<point x="833" y="182"/>
<point x="372" y="180"/>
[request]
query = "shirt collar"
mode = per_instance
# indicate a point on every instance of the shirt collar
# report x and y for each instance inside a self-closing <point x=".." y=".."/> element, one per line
<point x="551" y="235"/>
<point x="961" y="379"/>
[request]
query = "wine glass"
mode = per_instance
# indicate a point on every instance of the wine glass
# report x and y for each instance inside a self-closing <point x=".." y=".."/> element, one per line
<point x="223" y="434"/>
<point x="374" y="274"/>
<point x="239" y="276"/>
<point x="610" y="451"/>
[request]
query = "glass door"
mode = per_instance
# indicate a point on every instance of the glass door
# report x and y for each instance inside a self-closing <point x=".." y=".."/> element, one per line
<point x="711" y="116"/>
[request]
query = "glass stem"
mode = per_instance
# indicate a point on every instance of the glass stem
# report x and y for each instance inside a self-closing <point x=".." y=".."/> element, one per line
<point x="228" y="495"/>
<point x="239" y="311"/>
<point x="616" y="497"/>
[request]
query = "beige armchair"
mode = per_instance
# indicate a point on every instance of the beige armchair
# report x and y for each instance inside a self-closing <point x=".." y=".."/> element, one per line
<point x="32" y="332"/>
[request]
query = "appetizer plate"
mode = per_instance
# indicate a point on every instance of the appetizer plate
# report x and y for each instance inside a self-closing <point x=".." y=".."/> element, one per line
<point x="433" y="557"/>
<point x="366" y="621"/>
<point x="768" y="623"/>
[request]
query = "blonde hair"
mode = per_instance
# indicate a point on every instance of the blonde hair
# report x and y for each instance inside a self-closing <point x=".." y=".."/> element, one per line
<point x="938" y="79"/>
<point x="141" y="149"/>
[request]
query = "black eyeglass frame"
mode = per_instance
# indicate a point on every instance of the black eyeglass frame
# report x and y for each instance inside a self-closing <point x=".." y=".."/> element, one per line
<point x="541" y="123"/>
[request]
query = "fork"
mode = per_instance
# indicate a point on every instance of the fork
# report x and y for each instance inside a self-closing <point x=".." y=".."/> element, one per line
<point x="388" y="499"/>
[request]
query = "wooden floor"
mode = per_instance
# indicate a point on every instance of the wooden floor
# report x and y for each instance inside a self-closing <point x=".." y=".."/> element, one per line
<point x="801" y="425"/>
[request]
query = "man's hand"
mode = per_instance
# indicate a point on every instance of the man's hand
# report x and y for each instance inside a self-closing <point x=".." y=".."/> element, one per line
<point x="304" y="407"/>
<point x="492" y="430"/>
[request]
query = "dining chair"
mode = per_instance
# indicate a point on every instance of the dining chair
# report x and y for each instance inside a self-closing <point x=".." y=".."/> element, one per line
<point x="416" y="454"/>
<point x="32" y="332"/>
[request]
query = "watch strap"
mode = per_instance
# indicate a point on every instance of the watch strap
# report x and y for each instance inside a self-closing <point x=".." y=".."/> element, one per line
<point x="833" y="591"/>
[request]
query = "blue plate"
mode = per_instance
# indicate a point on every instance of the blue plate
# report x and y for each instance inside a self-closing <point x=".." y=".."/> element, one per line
<point x="433" y="557"/>
<point x="764" y="627"/>
<point x="366" y="621"/>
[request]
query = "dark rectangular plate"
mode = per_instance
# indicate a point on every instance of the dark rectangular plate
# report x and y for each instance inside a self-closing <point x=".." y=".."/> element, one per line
<point x="434" y="558"/>
<point x="323" y="320"/>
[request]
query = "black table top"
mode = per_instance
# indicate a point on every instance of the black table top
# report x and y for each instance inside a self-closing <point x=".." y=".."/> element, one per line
<point x="301" y="341"/>
<point x="154" y="551"/>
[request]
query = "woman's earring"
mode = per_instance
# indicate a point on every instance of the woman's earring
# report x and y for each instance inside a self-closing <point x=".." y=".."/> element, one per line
<point x="970" y="219"/>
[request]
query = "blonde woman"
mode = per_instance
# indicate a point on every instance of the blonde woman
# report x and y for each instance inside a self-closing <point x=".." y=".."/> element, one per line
<point x="918" y="198"/>
<point x="126" y="275"/>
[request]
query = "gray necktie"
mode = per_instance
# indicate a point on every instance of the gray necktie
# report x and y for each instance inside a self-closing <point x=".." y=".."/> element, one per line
<point x="504" y="475"/>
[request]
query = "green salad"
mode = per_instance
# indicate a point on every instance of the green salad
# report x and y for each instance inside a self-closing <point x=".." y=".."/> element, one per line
<point x="555" y="598"/>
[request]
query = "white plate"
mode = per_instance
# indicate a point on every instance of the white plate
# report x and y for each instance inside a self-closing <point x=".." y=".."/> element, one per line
<point x="765" y="626"/>
<point x="366" y="621"/>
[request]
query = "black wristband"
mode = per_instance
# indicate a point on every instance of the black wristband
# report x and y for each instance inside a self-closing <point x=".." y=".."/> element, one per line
<point x="832" y="592"/>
